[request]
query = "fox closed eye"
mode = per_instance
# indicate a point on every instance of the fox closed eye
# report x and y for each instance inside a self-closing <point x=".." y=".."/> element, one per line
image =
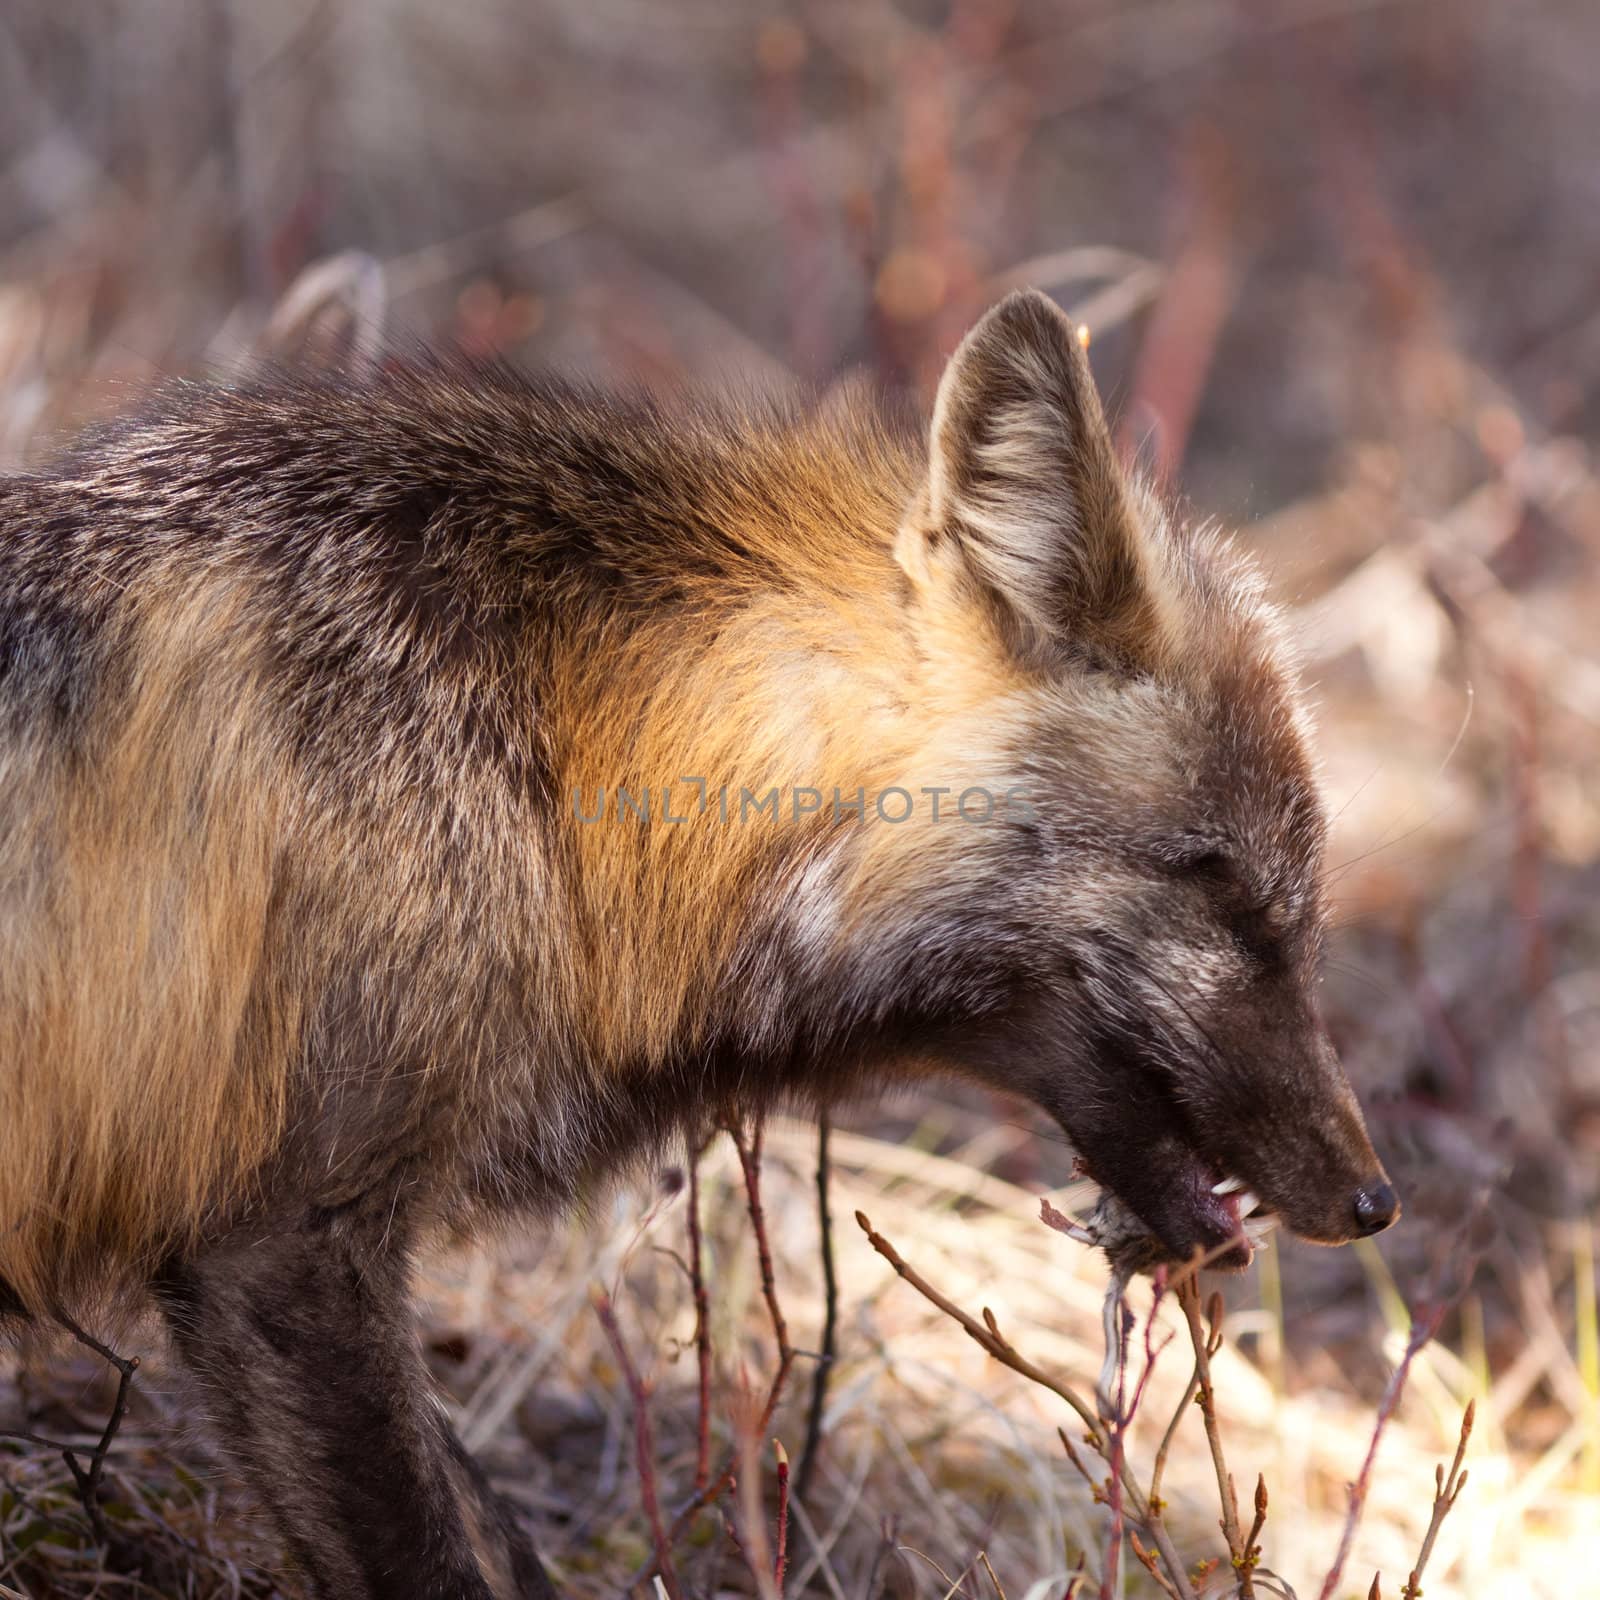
<point x="1259" y="933"/>
<point x="1257" y="923"/>
<point x="1192" y="857"/>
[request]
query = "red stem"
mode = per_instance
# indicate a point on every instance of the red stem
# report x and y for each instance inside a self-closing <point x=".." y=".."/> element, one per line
<point x="1423" y="1328"/>
<point x="782" y="1560"/>
<point x="644" y="1442"/>
<point x="702" y="1329"/>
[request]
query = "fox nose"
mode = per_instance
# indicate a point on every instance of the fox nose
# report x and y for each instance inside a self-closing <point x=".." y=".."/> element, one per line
<point x="1376" y="1207"/>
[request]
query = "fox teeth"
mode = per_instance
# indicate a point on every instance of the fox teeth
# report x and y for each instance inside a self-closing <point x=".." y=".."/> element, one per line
<point x="1249" y="1202"/>
<point x="1227" y="1186"/>
<point x="1257" y="1229"/>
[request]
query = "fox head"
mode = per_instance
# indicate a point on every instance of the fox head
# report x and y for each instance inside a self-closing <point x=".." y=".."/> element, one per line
<point x="1164" y="896"/>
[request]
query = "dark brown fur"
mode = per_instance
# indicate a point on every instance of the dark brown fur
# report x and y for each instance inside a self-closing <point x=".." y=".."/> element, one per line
<point x="307" y="953"/>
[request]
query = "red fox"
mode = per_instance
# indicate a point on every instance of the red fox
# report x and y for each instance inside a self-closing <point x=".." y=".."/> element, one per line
<point x="426" y="795"/>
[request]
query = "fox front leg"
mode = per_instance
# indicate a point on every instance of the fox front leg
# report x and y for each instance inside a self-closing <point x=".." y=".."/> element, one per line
<point x="303" y="1347"/>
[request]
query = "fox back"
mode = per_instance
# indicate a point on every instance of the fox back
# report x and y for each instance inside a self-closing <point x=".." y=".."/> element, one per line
<point x="424" y="796"/>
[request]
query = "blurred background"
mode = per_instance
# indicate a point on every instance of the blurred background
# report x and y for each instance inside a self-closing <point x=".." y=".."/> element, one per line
<point x="1341" y="264"/>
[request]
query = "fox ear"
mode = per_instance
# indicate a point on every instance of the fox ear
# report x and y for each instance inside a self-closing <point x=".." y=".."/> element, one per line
<point x="1024" y="482"/>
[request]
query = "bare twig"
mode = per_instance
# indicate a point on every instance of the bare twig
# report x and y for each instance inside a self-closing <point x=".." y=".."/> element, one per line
<point x="888" y="1545"/>
<point x="953" y="1586"/>
<point x="830" y="1318"/>
<point x="702" y="1326"/>
<point x="766" y="1557"/>
<point x="754" y="1551"/>
<point x="1207" y="1341"/>
<point x="1165" y="1447"/>
<point x="644" y="1443"/>
<point x="987" y="1334"/>
<point x="1151" y="1564"/>
<point x="1423" y="1327"/>
<point x="1120" y="1414"/>
<point x="39" y="1439"/>
<point x="780" y="1558"/>
<point x="999" y="1589"/>
<point x="750" y="1162"/>
<point x="1447" y="1488"/>
<point x="1116" y="1415"/>
<point x="1252" y="1546"/>
<point x="88" y="1480"/>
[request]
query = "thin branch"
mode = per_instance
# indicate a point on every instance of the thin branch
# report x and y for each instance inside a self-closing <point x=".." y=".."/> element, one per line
<point x="830" y="1319"/>
<point x="780" y="1560"/>
<point x="1449" y="1277"/>
<point x="1117" y="1415"/>
<point x="750" y="1161"/>
<point x="983" y="1556"/>
<point x="88" y="1479"/>
<point x="953" y="1586"/>
<point x="1118" y="1412"/>
<point x="39" y="1439"/>
<point x="765" y="1557"/>
<point x="1165" y="1447"/>
<point x="1078" y="1462"/>
<point x="1447" y="1488"/>
<point x="1252" y="1546"/>
<point x="1121" y="1413"/>
<point x="987" y="1334"/>
<point x="1423" y="1328"/>
<point x="644" y="1443"/>
<point x="702" y="1326"/>
<point x="888" y="1545"/>
<point x="1206" y="1344"/>
<point x="754" y="1559"/>
<point x="1151" y="1564"/>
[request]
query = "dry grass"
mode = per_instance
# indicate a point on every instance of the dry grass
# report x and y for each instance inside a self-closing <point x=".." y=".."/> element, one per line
<point x="934" y="1453"/>
<point x="923" y="1429"/>
<point x="1338" y="257"/>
